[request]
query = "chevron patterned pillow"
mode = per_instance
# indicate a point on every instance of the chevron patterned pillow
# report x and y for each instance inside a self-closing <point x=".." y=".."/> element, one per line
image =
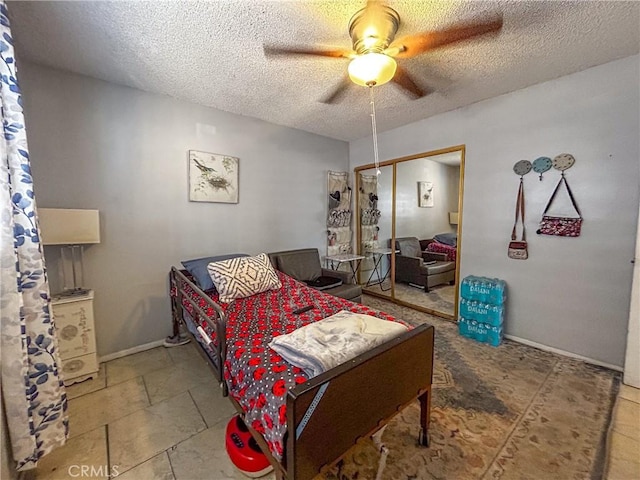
<point x="243" y="276"/>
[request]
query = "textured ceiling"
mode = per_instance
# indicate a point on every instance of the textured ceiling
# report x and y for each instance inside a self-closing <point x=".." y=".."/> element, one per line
<point x="211" y="53"/>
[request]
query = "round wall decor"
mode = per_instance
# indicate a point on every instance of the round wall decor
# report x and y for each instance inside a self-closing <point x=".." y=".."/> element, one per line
<point x="563" y="161"/>
<point x="522" y="167"/>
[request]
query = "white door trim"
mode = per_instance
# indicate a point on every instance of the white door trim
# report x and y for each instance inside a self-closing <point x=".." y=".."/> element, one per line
<point x="632" y="356"/>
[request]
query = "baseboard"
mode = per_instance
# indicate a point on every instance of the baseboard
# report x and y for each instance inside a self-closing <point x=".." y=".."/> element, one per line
<point x="564" y="353"/>
<point x="157" y="343"/>
<point x="131" y="351"/>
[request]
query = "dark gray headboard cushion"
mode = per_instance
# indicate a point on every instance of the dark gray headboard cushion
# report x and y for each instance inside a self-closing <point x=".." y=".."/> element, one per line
<point x="301" y="265"/>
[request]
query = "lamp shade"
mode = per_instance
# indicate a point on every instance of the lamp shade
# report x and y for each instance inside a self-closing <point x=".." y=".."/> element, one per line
<point x="453" y="218"/>
<point x="372" y="69"/>
<point x="61" y="226"/>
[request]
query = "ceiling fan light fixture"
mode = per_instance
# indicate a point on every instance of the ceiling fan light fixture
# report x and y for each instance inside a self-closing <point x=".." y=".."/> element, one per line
<point x="372" y="69"/>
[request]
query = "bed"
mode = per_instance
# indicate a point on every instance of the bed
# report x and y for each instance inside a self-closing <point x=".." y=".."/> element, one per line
<point x="304" y="425"/>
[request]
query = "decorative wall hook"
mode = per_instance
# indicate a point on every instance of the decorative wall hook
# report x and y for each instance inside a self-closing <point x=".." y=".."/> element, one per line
<point x="522" y="167"/>
<point x="541" y="165"/>
<point x="563" y="162"/>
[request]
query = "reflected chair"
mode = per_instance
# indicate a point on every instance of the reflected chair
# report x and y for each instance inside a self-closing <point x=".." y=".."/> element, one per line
<point x="419" y="268"/>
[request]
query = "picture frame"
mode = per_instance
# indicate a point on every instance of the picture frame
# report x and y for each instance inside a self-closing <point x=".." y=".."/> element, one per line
<point x="425" y="194"/>
<point x="213" y="177"/>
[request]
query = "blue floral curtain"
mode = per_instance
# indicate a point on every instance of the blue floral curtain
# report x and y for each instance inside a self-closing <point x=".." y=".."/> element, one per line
<point x="34" y="396"/>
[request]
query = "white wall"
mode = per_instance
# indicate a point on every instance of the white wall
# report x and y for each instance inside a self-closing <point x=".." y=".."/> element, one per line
<point x="573" y="293"/>
<point x="124" y="152"/>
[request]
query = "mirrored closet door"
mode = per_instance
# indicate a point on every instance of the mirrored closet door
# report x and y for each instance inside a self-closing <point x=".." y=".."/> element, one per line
<point x="414" y="258"/>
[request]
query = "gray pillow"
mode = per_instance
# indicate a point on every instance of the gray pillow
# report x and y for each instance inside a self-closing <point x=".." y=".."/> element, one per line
<point x="198" y="268"/>
<point x="302" y="266"/>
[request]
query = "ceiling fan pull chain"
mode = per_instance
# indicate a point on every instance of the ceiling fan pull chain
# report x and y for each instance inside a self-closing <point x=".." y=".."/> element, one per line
<point x="376" y="161"/>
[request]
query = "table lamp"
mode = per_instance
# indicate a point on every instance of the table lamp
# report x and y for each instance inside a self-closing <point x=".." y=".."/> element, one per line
<point x="72" y="229"/>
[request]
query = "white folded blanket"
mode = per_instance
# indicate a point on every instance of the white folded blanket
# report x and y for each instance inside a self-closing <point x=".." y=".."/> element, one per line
<point x="322" y="345"/>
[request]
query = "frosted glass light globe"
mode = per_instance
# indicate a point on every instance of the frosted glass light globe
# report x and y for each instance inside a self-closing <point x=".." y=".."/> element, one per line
<point x="372" y="69"/>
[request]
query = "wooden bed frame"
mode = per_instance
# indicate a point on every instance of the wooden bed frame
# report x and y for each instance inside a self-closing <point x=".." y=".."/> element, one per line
<point x="329" y="413"/>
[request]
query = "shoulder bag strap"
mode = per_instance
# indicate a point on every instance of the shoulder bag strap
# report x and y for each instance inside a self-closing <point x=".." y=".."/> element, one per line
<point x="519" y="210"/>
<point x="573" y="200"/>
<point x="524" y="230"/>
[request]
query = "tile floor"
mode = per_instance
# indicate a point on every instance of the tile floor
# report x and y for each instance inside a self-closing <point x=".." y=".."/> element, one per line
<point x="160" y="415"/>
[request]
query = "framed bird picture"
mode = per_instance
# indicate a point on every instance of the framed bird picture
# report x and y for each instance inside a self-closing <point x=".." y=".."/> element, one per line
<point x="213" y="177"/>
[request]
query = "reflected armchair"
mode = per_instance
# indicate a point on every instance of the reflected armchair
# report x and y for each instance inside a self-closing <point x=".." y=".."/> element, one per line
<point x="411" y="266"/>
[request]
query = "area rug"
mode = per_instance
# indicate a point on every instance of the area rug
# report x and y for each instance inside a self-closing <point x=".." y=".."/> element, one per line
<point x="440" y="298"/>
<point x="509" y="412"/>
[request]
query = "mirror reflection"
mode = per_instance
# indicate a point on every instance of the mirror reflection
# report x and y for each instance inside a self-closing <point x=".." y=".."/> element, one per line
<point x="411" y="211"/>
<point x="426" y="225"/>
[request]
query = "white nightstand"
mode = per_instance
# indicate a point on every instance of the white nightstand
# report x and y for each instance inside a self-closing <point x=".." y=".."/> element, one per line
<point x="73" y="318"/>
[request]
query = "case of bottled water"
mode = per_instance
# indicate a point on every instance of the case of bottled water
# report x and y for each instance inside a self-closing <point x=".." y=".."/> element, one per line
<point x="481" y="309"/>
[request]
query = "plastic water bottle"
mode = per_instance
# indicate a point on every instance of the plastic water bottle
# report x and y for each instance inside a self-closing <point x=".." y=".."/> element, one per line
<point x="473" y="329"/>
<point x="465" y="289"/>
<point x="475" y="289"/>
<point x="488" y="288"/>
<point x="463" y="327"/>
<point x="495" y="293"/>
<point x="494" y="315"/>
<point x="495" y="336"/>
<point x="470" y="284"/>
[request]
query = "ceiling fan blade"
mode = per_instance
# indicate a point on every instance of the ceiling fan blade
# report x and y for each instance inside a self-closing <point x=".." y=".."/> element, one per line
<point x="318" y="52"/>
<point x="338" y="92"/>
<point x="404" y="80"/>
<point x="413" y="45"/>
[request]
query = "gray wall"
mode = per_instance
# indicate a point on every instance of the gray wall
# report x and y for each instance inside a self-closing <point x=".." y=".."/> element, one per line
<point x="573" y="293"/>
<point x="124" y="152"/>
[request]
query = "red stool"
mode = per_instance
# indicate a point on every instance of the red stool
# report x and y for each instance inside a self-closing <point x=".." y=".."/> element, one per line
<point x="244" y="451"/>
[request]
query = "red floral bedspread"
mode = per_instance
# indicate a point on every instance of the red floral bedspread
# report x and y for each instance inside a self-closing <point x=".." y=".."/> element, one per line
<point x="442" y="248"/>
<point x="257" y="377"/>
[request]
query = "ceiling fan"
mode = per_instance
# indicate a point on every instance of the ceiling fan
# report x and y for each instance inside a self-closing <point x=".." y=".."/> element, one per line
<point x="372" y="31"/>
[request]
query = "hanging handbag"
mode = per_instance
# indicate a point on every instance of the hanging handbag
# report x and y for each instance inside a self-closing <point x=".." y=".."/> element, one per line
<point x="518" y="248"/>
<point x="561" y="226"/>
